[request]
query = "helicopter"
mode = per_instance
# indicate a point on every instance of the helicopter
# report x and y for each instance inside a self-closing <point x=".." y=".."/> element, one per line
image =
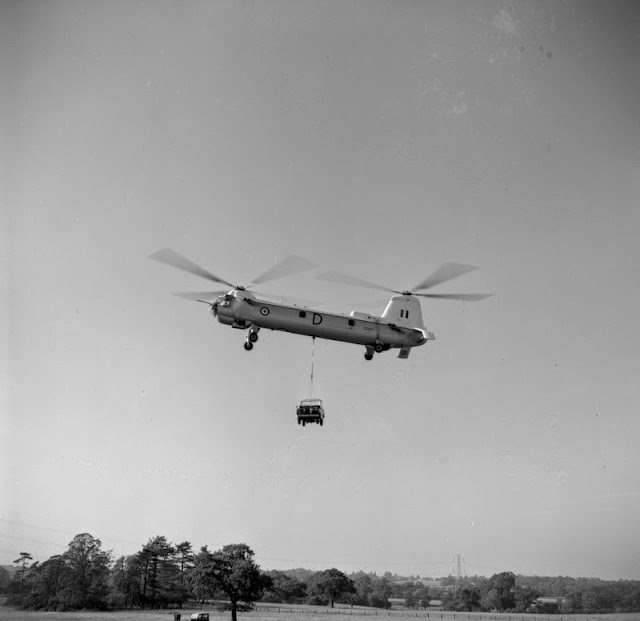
<point x="399" y="327"/>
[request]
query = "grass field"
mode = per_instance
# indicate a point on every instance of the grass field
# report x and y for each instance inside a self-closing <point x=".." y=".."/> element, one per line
<point x="298" y="613"/>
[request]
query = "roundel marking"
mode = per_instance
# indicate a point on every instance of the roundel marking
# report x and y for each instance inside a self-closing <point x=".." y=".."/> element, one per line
<point x="264" y="310"/>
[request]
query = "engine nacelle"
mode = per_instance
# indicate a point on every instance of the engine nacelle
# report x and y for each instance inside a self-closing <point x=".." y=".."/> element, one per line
<point x="365" y="316"/>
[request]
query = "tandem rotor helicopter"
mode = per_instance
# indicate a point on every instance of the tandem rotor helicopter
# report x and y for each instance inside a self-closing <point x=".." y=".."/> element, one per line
<point x="399" y="327"/>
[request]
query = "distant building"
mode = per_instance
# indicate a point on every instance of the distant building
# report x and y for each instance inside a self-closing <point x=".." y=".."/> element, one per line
<point x="397" y="603"/>
<point x="548" y="605"/>
<point x="428" y="582"/>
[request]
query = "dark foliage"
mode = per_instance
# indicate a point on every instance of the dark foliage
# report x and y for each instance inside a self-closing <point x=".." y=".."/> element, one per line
<point x="331" y="586"/>
<point x="164" y="575"/>
<point x="285" y="589"/>
<point x="5" y="580"/>
<point x="233" y="570"/>
<point x="77" y="579"/>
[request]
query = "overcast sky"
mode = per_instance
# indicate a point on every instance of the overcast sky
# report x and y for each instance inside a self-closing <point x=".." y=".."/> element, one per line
<point x="377" y="138"/>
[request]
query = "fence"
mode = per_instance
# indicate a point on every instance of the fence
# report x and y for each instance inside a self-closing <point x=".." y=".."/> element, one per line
<point x="309" y="611"/>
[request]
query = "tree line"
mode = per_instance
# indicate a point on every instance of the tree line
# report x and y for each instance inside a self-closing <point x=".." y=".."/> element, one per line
<point x="506" y="592"/>
<point x="160" y="575"/>
<point x="166" y="575"/>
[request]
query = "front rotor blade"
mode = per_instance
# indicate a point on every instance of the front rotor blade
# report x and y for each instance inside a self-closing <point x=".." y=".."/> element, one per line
<point x="199" y="296"/>
<point x="345" y="279"/>
<point x="466" y="297"/>
<point x="174" y="259"/>
<point x="287" y="300"/>
<point x="290" y="265"/>
<point x="447" y="271"/>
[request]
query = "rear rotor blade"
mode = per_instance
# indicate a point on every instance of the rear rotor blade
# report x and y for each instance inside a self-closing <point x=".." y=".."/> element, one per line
<point x="174" y="259"/>
<point x="345" y="279"/>
<point x="290" y="265"/>
<point x="447" y="271"/>
<point x="466" y="297"/>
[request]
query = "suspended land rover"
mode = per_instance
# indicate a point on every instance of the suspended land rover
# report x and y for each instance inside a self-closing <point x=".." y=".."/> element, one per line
<point x="310" y="411"/>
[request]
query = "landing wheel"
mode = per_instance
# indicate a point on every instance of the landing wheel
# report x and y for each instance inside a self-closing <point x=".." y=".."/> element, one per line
<point x="253" y="336"/>
<point x="321" y="423"/>
<point x="368" y="356"/>
<point x="248" y="345"/>
<point x="378" y="347"/>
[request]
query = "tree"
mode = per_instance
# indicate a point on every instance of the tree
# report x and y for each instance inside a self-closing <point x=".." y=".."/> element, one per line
<point x="76" y="579"/>
<point x="467" y="598"/>
<point x="25" y="557"/>
<point x="118" y="587"/>
<point x="381" y="592"/>
<point x="364" y="588"/>
<point x="159" y="572"/>
<point x="501" y="592"/>
<point x="48" y="584"/>
<point x="598" y="599"/>
<point x="409" y="600"/>
<point x="525" y="597"/>
<point x="285" y="588"/>
<point x="572" y="603"/>
<point x="184" y="555"/>
<point x="200" y="574"/>
<point x="5" y="580"/>
<point x="87" y="574"/>
<point x="333" y="584"/>
<point x="421" y="595"/>
<point x="234" y="571"/>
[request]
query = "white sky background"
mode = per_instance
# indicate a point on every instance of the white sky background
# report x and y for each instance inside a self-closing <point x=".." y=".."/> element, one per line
<point x="378" y="138"/>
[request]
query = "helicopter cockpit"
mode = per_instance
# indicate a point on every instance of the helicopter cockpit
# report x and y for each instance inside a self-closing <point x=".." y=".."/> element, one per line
<point x="223" y="303"/>
<point x="225" y="300"/>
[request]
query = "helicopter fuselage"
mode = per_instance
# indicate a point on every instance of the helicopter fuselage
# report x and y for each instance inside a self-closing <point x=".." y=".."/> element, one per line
<point x="400" y="326"/>
<point x="244" y="310"/>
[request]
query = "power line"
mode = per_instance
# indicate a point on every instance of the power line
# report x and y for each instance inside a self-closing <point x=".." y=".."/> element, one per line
<point x="58" y="530"/>
<point x="361" y="563"/>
